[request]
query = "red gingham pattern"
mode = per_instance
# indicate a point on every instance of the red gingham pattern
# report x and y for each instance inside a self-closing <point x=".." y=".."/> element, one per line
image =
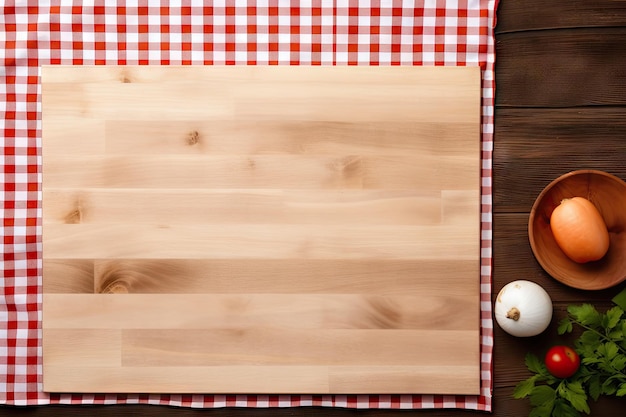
<point x="196" y="32"/>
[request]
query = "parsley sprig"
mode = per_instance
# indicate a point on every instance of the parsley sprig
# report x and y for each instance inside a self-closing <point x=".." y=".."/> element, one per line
<point x="602" y="349"/>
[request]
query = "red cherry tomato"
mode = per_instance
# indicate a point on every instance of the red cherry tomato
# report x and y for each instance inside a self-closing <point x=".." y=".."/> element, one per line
<point x="562" y="361"/>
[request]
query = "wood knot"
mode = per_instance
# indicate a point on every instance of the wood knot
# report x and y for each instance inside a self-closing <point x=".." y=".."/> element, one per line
<point x="75" y="216"/>
<point x="115" y="281"/>
<point x="117" y="287"/>
<point x="348" y="171"/>
<point x="349" y="166"/>
<point x="124" y="77"/>
<point x="237" y="304"/>
<point x="193" y="138"/>
<point x="383" y="313"/>
<point x="352" y="165"/>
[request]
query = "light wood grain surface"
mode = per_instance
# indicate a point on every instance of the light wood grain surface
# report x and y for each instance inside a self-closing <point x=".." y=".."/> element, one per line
<point x="533" y="144"/>
<point x="261" y="229"/>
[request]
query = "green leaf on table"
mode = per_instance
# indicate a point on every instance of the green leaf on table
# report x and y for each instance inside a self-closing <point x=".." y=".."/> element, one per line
<point x="609" y="350"/>
<point x="608" y="387"/>
<point x="543" y="410"/>
<point x="586" y="314"/>
<point x="616" y="334"/>
<point x="594" y="387"/>
<point x="620" y="299"/>
<point x="621" y="391"/>
<point x="588" y="342"/>
<point x="612" y="317"/>
<point x="584" y="373"/>
<point x="535" y="365"/>
<point x="565" y="326"/>
<point x="619" y="363"/>
<point x="564" y="409"/>
<point x="576" y="395"/>
<point x="542" y="394"/>
<point x="525" y="387"/>
<point x="591" y="360"/>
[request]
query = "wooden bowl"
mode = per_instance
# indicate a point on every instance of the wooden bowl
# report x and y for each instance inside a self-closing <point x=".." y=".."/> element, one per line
<point x="608" y="193"/>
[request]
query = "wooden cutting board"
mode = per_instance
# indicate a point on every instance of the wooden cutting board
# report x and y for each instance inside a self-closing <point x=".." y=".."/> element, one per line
<point x="261" y="229"/>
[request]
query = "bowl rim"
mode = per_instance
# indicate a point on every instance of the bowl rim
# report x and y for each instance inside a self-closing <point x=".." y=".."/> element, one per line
<point x="533" y="212"/>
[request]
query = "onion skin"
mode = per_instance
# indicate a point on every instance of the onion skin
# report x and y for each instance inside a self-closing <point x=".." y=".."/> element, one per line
<point x="579" y="230"/>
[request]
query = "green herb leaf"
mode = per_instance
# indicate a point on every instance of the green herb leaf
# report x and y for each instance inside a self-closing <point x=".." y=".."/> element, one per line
<point x="612" y="317"/>
<point x="565" y="326"/>
<point x="619" y="363"/>
<point x="586" y="314"/>
<point x="602" y="349"/>
<point x="535" y="365"/>
<point x="563" y="409"/>
<point x="594" y="387"/>
<point x="591" y="360"/>
<point x="609" y="350"/>
<point x="608" y="388"/>
<point x="588" y="343"/>
<point x="524" y="388"/>
<point x="543" y="410"/>
<point x="576" y="395"/>
<point x="620" y="299"/>
<point x="542" y="394"/>
<point x="616" y="334"/>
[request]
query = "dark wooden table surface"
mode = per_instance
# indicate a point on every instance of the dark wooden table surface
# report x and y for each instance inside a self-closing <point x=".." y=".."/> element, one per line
<point x="560" y="106"/>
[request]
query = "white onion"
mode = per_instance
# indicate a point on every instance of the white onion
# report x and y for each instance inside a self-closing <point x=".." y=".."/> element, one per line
<point x="523" y="308"/>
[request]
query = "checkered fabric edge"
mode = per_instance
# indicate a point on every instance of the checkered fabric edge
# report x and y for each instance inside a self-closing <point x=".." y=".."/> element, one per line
<point x="195" y="32"/>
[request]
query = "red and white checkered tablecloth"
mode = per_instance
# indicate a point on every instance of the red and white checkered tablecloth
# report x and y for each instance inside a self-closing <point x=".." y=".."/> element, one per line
<point x="197" y="32"/>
